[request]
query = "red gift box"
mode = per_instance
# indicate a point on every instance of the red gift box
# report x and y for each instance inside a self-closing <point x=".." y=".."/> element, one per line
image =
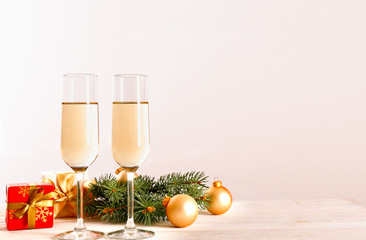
<point x="29" y="206"/>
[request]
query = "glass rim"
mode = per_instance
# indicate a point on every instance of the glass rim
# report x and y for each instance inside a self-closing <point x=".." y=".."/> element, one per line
<point x="130" y="75"/>
<point x="80" y="75"/>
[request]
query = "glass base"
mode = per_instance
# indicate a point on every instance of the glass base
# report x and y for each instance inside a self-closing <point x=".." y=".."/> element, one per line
<point x="137" y="234"/>
<point x="80" y="235"/>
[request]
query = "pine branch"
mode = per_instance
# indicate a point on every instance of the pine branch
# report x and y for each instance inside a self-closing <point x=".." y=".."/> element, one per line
<point x="144" y="183"/>
<point x="109" y="201"/>
<point x="148" y="209"/>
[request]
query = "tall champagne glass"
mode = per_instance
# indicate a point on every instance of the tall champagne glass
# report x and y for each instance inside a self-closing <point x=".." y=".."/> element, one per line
<point x="130" y="139"/>
<point x="79" y="139"/>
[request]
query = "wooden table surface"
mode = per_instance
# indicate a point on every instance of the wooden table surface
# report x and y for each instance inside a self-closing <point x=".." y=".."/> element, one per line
<point x="260" y="220"/>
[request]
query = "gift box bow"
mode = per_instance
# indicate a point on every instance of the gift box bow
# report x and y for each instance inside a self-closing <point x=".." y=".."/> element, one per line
<point x="65" y="198"/>
<point x="36" y="199"/>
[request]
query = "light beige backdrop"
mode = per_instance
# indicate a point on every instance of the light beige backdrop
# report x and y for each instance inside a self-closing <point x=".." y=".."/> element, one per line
<point x="269" y="96"/>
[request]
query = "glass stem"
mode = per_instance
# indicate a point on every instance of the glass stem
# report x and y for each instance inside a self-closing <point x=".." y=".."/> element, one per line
<point x="130" y="225"/>
<point x="80" y="221"/>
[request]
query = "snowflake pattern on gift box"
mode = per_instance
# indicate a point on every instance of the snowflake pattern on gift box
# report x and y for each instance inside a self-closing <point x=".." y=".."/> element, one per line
<point x="42" y="213"/>
<point x="23" y="190"/>
<point x="11" y="214"/>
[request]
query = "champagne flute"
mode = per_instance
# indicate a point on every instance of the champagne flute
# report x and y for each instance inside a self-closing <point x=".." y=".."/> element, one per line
<point x="130" y="139"/>
<point x="79" y="139"/>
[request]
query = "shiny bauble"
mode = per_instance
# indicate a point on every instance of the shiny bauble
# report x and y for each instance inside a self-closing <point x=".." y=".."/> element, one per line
<point x="86" y="188"/>
<point x="220" y="198"/>
<point x="182" y="210"/>
<point x="122" y="175"/>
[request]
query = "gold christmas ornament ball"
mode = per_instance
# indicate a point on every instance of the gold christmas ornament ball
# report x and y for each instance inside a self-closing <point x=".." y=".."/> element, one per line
<point x="221" y="198"/>
<point x="86" y="188"/>
<point x="182" y="210"/>
<point x="87" y="183"/>
<point x="122" y="175"/>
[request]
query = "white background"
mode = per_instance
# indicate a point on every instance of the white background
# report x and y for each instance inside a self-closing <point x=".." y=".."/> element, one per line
<point x="269" y="96"/>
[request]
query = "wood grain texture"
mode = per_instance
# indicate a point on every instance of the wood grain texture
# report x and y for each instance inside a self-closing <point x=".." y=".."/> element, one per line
<point x="333" y="219"/>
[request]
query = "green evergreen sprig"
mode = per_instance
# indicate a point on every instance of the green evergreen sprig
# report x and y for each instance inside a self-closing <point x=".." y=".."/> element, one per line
<point x="109" y="201"/>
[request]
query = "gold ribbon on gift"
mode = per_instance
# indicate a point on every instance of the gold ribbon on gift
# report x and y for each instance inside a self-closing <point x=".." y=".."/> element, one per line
<point x="36" y="199"/>
<point x="65" y="201"/>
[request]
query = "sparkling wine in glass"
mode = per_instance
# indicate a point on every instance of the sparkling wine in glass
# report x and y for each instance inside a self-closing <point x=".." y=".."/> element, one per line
<point x="79" y="139"/>
<point x="130" y="139"/>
